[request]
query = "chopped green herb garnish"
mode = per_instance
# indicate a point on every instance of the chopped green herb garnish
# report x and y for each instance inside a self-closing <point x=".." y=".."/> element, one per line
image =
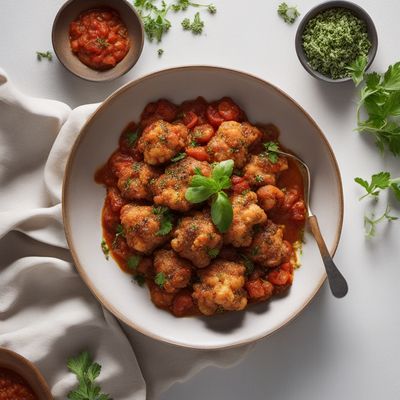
<point x="248" y="264"/>
<point x="259" y="179"/>
<point x="166" y="218"/>
<point x="127" y="184"/>
<point x="213" y="253"/>
<point x="160" y="52"/>
<point x="105" y="249"/>
<point x="202" y="187"/>
<point x="133" y="261"/>
<point x="160" y="279"/>
<point x="118" y="233"/>
<point x="102" y="43"/>
<point x="271" y="149"/>
<point x="132" y="137"/>
<point x="333" y="39"/>
<point x="178" y="157"/>
<point x="86" y="372"/>
<point x="40" y="55"/>
<point x="288" y="14"/>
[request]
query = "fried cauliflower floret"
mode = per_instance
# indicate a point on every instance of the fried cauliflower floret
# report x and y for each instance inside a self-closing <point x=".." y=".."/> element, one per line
<point x="268" y="249"/>
<point x="261" y="171"/>
<point x="221" y="287"/>
<point x="161" y="141"/>
<point x="246" y="214"/>
<point x="170" y="188"/>
<point x="197" y="239"/>
<point x="134" y="181"/>
<point x="176" y="272"/>
<point x="141" y="226"/>
<point x="232" y="141"/>
<point x="159" y="296"/>
<point x="269" y="197"/>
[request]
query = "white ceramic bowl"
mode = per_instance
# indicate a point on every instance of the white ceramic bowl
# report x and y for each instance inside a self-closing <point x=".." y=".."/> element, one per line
<point x="83" y="201"/>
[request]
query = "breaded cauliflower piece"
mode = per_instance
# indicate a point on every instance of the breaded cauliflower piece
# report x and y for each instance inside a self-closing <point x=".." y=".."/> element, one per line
<point x="134" y="181"/>
<point x="176" y="271"/>
<point x="161" y="141"/>
<point x="197" y="239"/>
<point x="159" y="296"/>
<point x="170" y="188"/>
<point x="232" y="141"/>
<point x="268" y="249"/>
<point x="246" y="214"/>
<point x="269" y="197"/>
<point x="221" y="287"/>
<point x="259" y="289"/>
<point x="141" y="226"/>
<point x="261" y="171"/>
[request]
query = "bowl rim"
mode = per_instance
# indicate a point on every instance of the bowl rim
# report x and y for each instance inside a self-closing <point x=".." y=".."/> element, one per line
<point x="67" y="228"/>
<point x="356" y="9"/>
<point x="37" y="375"/>
<point x="82" y="76"/>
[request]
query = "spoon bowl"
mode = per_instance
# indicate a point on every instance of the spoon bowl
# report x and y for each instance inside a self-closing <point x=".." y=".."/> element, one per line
<point x="337" y="282"/>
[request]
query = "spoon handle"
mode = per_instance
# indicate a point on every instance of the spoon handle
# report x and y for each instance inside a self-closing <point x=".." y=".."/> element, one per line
<point x="336" y="280"/>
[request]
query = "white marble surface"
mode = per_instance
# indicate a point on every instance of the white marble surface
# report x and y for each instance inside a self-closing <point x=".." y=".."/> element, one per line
<point x="345" y="349"/>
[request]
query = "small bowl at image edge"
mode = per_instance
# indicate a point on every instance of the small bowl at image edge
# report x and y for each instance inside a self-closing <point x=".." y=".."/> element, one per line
<point x="60" y="38"/>
<point x="358" y="12"/>
<point x="27" y="370"/>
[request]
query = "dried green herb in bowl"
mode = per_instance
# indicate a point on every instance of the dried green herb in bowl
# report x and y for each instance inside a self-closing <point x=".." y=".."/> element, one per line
<point x="331" y="36"/>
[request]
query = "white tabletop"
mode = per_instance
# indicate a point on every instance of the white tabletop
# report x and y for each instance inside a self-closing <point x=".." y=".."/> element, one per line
<point x="346" y="349"/>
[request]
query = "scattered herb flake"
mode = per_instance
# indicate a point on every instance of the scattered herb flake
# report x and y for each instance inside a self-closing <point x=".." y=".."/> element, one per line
<point x="118" y="233"/>
<point x="213" y="252"/>
<point x="178" y="157"/>
<point x="133" y="261"/>
<point x="160" y="279"/>
<point x="271" y="149"/>
<point x="105" y="249"/>
<point x="160" y="52"/>
<point x="288" y="14"/>
<point x="132" y="137"/>
<point x="139" y="279"/>
<point x="40" y="55"/>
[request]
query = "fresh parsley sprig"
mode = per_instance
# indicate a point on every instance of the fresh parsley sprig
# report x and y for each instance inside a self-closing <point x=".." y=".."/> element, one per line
<point x="182" y="5"/>
<point x="86" y="372"/>
<point x="196" y="26"/>
<point x="357" y="69"/>
<point x="370" y="222"/>
<point x="202" y="187"/>
<point x="380" y="98"/>
<point x="271" y="149"/>
<point x="166" y="219"/>
<point x="288" y="13"/>
<point x="380" y="181"/>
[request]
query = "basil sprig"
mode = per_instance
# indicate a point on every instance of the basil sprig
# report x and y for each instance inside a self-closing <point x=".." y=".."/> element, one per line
<point x="203" y="187"/>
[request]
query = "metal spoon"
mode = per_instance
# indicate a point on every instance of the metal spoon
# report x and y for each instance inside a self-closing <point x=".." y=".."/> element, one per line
<point x="336" y="280"/>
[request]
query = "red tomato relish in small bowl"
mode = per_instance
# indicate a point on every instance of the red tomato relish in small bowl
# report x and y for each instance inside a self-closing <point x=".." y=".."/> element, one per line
<point x="14" y="387"/>
<point x="99" y="38"/>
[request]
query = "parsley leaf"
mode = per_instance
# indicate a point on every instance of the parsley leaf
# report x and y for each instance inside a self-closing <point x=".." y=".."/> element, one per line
<point x="41" y="54"/>
<point x="119" y="232"/>
<point x="202" y="187"/>
<point x="382" y="181"/>
<point x="86" y="372"/>
<point x="160" y="279"/>
<point x="133" y="261"/>
<point x="288" y="14"/>
<point x="271" y="149"/>
<point x="357" y="69"/>
<point x="105" y="248"/>
<point x="178" y="157"/>
<point x="166" y="218"/>
<point x="213" y="252"/>
<point x="132" y="137"/>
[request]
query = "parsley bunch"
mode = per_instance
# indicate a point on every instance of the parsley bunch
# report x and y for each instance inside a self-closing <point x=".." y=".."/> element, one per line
<point x="380" y="99"/>
<point x="201" y="188"/>
<point x="86" y="372"/>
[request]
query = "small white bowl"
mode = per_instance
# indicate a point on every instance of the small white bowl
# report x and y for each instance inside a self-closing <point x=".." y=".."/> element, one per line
<point x="83" y="202"/>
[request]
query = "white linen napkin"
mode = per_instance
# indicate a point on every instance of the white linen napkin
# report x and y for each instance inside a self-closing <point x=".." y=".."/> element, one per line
<point x="47" y="314"/>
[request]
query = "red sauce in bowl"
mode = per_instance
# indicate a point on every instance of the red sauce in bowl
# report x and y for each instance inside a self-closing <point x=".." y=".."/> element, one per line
<point x="99" y="38"/>
<point x="14" y="387"/>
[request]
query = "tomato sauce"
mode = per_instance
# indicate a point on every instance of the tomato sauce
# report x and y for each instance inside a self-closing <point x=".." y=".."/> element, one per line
<point x="14" y="387"/>
<point x="99" y="38"/>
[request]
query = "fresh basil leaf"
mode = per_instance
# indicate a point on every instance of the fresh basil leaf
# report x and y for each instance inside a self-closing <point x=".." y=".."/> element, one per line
<point x="198" y="194"/>
<point x="221" y="212"/>
<point x="199" y="180"/>
<point x="223" y="168"/>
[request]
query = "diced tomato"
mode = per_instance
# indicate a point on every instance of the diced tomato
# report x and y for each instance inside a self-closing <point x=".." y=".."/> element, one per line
<point x="291" y="197"/>
<point x="240" y="184"/>
<point x="213" y="116"/>
<point x="298" y="211"/>
<point x="203" y="133"/>
<point x="166" y="110"/>
<point x="190" y="119"/>
<point x="115" y="199"/>
<point x="282" y="275"/>
<point x="236" y="179"/>
<point x="199" y="153"/>
<point x="228" y="110"/>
